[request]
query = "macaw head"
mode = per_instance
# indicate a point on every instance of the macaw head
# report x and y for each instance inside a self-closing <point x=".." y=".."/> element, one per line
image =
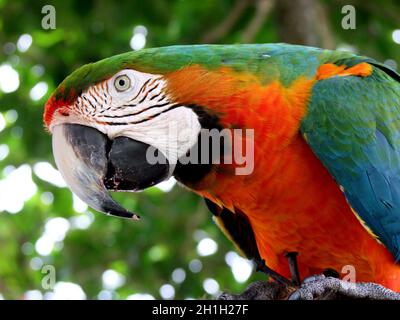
<point x="123" y="123"/>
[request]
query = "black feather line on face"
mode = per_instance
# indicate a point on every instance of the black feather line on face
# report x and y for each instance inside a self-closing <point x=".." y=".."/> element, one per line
<point x="144" y="120"/>
<point x="141" y="90"/>
<point x="139" y="112"/>
<point x="190" y="174"/>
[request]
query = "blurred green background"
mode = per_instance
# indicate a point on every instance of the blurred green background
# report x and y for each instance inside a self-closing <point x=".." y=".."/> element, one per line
<point x="176" y="251"/>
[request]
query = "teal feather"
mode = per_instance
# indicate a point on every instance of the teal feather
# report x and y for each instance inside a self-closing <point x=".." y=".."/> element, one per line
<point x="353" y="126"/>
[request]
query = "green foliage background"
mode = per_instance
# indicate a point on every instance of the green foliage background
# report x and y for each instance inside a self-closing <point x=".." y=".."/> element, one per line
<point x="147" y="252"/>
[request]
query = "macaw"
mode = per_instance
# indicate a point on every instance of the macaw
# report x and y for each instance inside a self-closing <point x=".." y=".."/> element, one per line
<point x="325" y="181"/>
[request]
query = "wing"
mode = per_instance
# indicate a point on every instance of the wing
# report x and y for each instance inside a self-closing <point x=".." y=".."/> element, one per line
<point x="353" y="126"/>
<point x="237" y="228"/>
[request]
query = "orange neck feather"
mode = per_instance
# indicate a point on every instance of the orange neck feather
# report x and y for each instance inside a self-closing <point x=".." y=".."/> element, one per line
<point x="290" y="199"/>
<point x="241" y="101"/>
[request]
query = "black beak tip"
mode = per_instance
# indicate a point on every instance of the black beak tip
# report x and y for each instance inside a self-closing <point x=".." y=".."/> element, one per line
<point x="114" y="209"/>
<point x="123" y="214"/>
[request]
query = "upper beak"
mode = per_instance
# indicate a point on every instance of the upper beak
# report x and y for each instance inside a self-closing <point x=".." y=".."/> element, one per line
<point x="90" y="163"/>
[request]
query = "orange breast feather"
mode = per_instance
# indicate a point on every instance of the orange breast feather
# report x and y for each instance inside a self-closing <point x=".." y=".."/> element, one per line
<point x="291" y="200"/>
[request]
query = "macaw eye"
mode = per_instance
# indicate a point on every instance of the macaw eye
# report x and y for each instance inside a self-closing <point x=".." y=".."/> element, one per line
<point x="122" y="83"/>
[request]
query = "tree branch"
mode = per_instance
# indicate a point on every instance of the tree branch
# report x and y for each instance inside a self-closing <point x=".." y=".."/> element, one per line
<point x="263" y="8"/>
<point x="318" y="288"/>
<point x="304" y="22"/>
<point x="227" y="24"/>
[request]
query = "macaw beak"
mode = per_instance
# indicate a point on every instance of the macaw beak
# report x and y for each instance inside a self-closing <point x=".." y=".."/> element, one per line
<point x="91" y="164"/>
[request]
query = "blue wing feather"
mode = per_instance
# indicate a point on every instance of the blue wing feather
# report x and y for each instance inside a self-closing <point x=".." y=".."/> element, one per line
<point x="353" y="126"/>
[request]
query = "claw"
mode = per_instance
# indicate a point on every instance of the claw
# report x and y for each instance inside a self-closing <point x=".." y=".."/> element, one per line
<point x="261" y="266"/>
<point x="294" y="269"/>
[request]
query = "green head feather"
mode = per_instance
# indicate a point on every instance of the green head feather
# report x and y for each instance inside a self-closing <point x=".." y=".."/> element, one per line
<point x="267" y="61"/>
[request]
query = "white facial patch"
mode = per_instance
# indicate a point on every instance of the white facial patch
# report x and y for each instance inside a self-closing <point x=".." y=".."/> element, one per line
<point x="173" y="133"/>
<point x="134" y="104"/>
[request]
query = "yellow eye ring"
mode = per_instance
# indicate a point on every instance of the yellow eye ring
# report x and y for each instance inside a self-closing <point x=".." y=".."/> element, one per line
<point x="122" y="83"/>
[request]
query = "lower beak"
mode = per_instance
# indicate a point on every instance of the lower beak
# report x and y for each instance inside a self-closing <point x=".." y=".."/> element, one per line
<point x="90" y="163"/>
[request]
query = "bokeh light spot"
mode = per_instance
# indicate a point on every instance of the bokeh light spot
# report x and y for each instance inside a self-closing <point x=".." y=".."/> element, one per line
<point x="24" y="42"/>
<point x="195" y="265"/>
<point x="38" y="91"/>
<point x="207" y="247"/>
<point x="178" y="275"/>
<point x="4" y="151"/>
<point x="9" y="78"/>
<point x="211" y="286"/>
<point x="16" y="188"/>
<point x="396" y="36"/>
<point x="167" y="292"/>
<point x="112" y="279"/>
<point x="241" y="268"/>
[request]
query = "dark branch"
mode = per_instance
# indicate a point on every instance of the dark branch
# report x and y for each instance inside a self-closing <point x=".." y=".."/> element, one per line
<point x="227" y="24"/>
<point x="263" y="8"/>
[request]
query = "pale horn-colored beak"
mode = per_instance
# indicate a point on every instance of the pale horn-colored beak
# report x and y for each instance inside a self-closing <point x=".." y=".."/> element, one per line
<point x="80" y="153"/>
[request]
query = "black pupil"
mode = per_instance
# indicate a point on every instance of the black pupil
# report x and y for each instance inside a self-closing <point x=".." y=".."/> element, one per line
<point x="121" y="82"/>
